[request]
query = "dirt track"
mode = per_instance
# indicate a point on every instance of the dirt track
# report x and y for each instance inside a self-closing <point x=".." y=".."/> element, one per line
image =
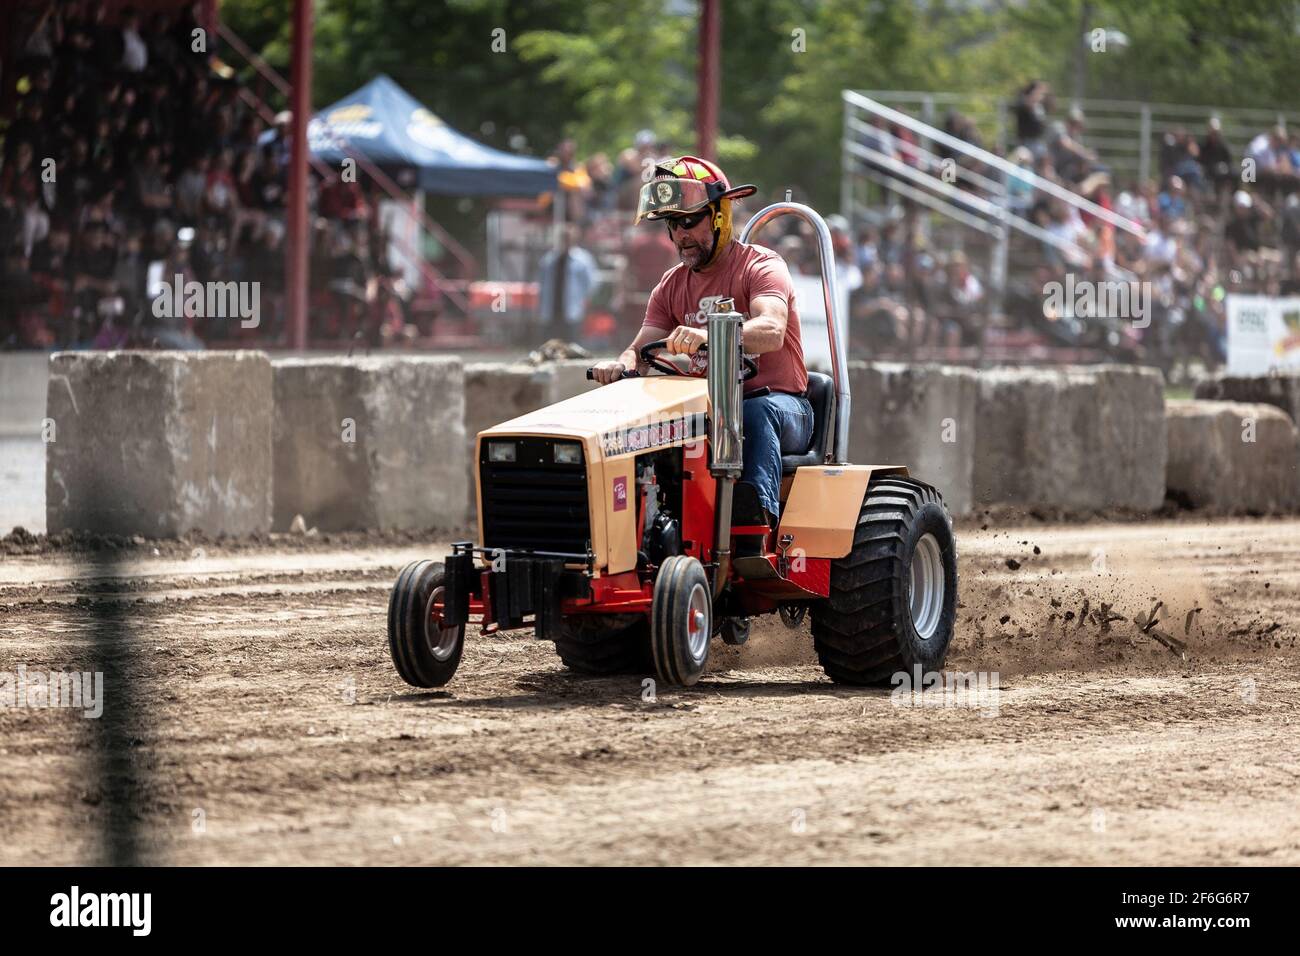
<point x="252" y="716"/>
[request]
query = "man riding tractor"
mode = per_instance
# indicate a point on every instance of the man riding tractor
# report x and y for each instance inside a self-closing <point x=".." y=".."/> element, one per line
<point x="693" y="197"/>
<point x="632" y="524"/>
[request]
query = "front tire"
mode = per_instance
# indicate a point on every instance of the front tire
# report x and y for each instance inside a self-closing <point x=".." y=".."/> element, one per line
<point x="893" y="597"/>
<point x="681" y="620"/>
<point x="424" y="653"/>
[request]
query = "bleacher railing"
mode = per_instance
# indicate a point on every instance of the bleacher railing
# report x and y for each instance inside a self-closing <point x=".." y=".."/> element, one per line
<point x="975" y="193"/>
<point x="1125" y="133"/>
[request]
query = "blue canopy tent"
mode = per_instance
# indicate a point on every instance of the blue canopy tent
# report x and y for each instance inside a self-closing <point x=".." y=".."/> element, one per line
<point x="391" y="129"/>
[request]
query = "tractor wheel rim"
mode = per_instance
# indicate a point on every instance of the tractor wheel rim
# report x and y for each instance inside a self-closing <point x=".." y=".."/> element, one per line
<point x="927" y="587"/>
<point x="442" y="641"/>
<point x="697" y="623"/>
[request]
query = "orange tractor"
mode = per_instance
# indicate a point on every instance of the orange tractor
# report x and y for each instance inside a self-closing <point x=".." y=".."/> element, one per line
<point x="614" y="524"/>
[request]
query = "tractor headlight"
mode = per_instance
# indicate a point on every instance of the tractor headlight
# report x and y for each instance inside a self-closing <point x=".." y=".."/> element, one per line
<point x="568" y="454"/>
<point x="501" y="451"/>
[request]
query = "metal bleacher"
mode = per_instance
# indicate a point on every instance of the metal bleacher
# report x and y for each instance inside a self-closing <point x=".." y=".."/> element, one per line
<point x="1121" y="131"/>
<point x="970" y="193"/>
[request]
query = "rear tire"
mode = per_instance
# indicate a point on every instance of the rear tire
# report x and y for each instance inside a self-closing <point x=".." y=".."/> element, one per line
<point x="602" y="644"/>
<point x="424" y="654"/>
<point x="734" y="631"/>
<point x="893" y="598"/>
<point x="681" y="620"/>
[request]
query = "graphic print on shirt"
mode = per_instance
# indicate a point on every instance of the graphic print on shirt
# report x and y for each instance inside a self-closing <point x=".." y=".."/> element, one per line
<point x="700" y="319"/>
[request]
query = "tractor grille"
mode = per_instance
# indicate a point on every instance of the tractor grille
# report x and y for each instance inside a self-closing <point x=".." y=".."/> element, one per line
<point x="532" y="502"/>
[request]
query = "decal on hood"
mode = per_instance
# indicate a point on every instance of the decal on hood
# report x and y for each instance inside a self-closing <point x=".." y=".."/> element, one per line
<point x="671" y="431"/>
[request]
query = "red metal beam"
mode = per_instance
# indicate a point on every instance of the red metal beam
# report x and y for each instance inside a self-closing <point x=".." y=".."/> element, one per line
<point x="10" y="44"/>
<point x="297" y="238"/>
<point x="210" y="15"/>
<point x="708" y="71"/>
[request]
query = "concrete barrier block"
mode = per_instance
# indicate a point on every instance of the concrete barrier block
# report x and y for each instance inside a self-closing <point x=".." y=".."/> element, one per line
<point x="1233" y="457"/>
<point x="1280" y="391"/>
<point x="23" y="378"/>
<point x="570" y="377"/>
<point x="23" y="381"/>
<point x="495" y="393"/>
<point x="921" y="416"/>
<point x="1079" y="439"/>
<point x="159" y="443"/>
<point x="1132" y="444"/>
<point x="373" y="442"/>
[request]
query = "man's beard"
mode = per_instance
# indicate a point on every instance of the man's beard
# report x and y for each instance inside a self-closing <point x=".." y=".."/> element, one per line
<point x="694" y="256"/>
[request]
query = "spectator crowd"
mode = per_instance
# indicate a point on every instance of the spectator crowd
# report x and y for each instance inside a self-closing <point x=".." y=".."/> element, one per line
<point x="610" y="265"/>
<point x="132" y="155"/>
<point x="1210" y="224"/>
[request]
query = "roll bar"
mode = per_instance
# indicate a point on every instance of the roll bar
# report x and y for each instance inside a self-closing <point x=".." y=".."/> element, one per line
<point x="830" y="283"/>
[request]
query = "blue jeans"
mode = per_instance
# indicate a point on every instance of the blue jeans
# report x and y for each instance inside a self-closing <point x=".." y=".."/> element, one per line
<point x="776" y="424"/>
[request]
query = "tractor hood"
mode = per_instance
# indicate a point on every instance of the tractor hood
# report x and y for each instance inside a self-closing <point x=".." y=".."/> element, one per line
<point x="625" y="418"/>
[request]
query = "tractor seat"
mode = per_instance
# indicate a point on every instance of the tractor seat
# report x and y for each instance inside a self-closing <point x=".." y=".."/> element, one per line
<point x="821" y="395"/>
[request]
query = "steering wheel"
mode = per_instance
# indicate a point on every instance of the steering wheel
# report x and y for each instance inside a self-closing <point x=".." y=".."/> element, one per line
<point x="664" y="365"/>
<point x="669" y="368"/>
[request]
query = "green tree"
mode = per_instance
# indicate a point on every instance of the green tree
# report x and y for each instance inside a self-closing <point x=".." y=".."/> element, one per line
<point x="599" y="70"/>
<point x="625" y="67"/>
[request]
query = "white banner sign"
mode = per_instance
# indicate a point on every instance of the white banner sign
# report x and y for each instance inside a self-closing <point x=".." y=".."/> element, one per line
<point x="1263" y="334"/>
<point x="812" y="321"/>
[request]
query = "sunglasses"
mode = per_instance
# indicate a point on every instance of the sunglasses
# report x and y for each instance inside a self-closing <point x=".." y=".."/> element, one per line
<point x="687" y="222"/>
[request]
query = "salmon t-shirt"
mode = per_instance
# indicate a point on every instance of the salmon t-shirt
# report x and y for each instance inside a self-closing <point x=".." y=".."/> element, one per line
<point x="684" y="297"/>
